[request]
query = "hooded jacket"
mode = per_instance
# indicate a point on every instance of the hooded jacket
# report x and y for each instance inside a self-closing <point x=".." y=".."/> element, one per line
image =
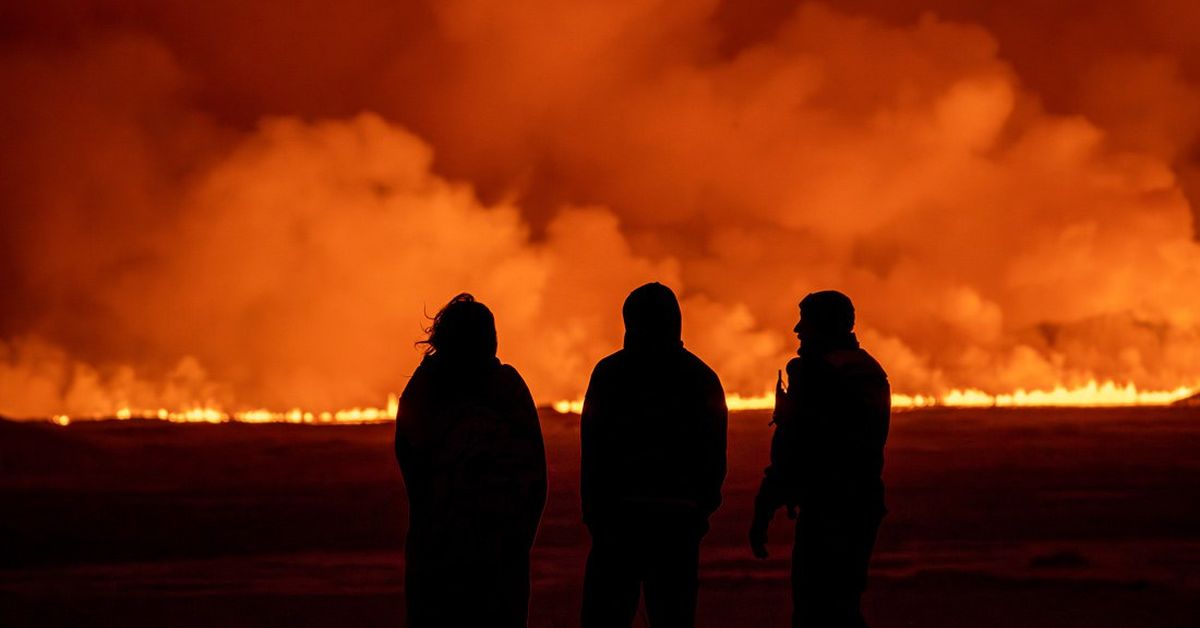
<point x="653" y="425"/>
<point x="831" y="427"/>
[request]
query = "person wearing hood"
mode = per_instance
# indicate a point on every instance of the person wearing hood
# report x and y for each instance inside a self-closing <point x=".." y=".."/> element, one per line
<point x="831" y="424"/>
<point x="652" y="433"/>
<point x="470" y="449"/>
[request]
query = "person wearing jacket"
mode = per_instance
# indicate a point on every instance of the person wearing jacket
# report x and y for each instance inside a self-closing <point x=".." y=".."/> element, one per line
<point x="831" y="424"/>
<point x="470" y="448"/>
<point x="653" y="461"/>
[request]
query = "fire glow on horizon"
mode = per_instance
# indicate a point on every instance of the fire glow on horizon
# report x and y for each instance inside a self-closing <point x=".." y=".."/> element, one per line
<point x="210" y="414"/>
<point x="1091" y="395"/>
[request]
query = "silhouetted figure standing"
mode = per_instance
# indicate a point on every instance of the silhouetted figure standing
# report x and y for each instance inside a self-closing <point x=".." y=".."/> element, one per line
<point x="827" y="459"/>
<point x="470" y="447"/>
<point x="653" y="447"/>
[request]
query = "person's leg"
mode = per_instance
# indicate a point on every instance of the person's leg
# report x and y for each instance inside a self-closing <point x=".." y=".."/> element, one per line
<point x="830" y="571"/>
<point x="672" y="581"/>
<point x="510" y="608"/>
<point x="416" y="595"/>
<point x="433" y="594"/>
<point x="420" y="583"/>
<point x="611" y="583"/>
<point x="861" y="543"/>
<point x="809" y="574"/>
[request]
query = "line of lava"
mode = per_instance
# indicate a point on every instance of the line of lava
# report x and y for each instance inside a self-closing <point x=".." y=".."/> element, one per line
<point x="1090" y="395"/>
<point x="209" y="414"/>
<point x="1093" y="395"/>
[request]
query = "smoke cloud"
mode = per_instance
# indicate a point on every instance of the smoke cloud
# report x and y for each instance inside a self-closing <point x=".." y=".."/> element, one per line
<point x="244" y="206"/>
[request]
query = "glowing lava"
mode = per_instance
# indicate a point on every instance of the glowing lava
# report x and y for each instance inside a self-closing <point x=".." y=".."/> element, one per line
<point x="1091" y="395"/>
<point x="208" y="414"/>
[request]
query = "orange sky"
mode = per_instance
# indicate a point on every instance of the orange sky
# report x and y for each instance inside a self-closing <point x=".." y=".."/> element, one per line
<point x="228" y="202"/>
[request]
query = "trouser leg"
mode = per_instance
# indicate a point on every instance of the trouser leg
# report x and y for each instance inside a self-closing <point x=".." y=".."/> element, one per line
<point x="509" y="607"/>
<point x="425" y="586"/>
<point x="807" y="580"/>
<point x="611" y="583"/>
<point x="672" y="581"/>
<point x="829" y="571"/>
<point x="416" y="596"/>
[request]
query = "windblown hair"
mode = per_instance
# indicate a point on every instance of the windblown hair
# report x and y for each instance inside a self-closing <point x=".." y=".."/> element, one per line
<point x="464" y="327"/>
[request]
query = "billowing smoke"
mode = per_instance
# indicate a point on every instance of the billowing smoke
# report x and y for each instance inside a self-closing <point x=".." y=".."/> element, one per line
<point x="232" y="204"/>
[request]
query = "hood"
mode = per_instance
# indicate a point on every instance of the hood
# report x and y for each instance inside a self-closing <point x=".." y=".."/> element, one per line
<point x="653" y="319"/>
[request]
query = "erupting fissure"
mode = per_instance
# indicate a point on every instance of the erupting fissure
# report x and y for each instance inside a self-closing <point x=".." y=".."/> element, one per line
<point x="1093" y="394"/>
<point x="209" y="414"/>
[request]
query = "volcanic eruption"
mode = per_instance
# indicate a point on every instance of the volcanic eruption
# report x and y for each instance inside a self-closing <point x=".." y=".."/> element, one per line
<point x="229" y="207"/>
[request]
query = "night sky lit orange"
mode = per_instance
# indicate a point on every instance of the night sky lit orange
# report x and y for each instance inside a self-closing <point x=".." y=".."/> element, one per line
<point x="236" y="207"/>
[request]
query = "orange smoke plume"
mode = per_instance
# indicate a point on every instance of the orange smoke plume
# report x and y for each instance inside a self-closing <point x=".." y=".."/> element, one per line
<point x="234" y="207"/>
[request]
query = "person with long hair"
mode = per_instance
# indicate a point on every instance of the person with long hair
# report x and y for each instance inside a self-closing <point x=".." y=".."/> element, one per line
<point x="470" y="449"/>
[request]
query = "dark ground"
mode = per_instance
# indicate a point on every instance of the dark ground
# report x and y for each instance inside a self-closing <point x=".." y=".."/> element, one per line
<point x="1023" y="518"/>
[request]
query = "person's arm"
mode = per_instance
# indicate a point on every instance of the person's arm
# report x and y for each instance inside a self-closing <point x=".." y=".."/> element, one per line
<point x="408" y="417"/>
<point x="878" y="417"/>
<point x="411" y="442"/>
<point x="884" y="414"/>
<point x="589" y="451"/>
<point x="400" y="444"/>
<point x="775" y="490"/>
<point x="533" y="449"/>
<point x="716" y="420"/>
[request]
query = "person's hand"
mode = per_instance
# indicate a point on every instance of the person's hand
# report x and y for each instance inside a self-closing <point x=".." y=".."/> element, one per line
<point x="782" y="404"/>
<point x="758" y="538"/>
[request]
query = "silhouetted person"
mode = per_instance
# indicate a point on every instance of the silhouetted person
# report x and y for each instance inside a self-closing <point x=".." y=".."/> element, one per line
<point x="470" y="447"/>
<point x="827" y="459"/>
<point x="653" y="446"/>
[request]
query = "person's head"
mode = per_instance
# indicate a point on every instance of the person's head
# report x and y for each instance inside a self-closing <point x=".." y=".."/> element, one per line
<point x="463" y="328"/>
<point x="824" y="315"/>
<point x="652" y="317"/>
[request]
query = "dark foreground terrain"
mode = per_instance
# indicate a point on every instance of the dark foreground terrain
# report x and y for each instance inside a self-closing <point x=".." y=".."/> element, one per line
<point x="1022" y="518"/>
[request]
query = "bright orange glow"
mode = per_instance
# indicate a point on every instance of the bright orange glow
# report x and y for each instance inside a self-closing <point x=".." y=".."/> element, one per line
<point x="565" y="406"/>
<point x="1092" y="394"/>
<point x="207" y="414"/>
<point x="188" y="233"/>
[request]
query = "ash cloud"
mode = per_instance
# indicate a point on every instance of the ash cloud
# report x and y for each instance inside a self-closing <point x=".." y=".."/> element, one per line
<point x="231" y="204"/>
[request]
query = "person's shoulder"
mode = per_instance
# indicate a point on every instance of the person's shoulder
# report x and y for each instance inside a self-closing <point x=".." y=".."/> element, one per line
<point x="419" y="373"/>
<point x="419" y="380"/>
<point x="857" y="362"/>
<point x="509" y="373"/>
<point x="794" y="367"/>
<point x="870" y="359"/>
<point x="607" y="370"/>
<point x="611" y="361"/>
<point x="699" y="366"/>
